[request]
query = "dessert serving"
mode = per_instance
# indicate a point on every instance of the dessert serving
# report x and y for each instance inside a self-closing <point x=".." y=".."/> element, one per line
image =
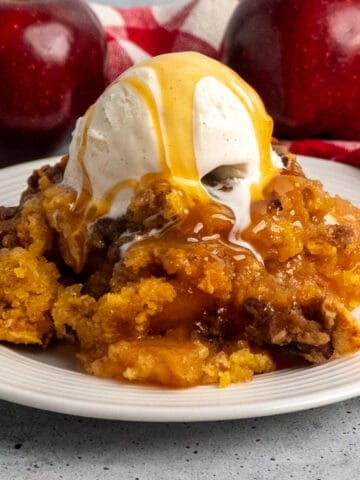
<point x="175" y="244"/>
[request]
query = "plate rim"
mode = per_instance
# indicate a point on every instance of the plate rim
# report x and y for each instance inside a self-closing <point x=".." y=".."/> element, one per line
<point x="179" y="414"/>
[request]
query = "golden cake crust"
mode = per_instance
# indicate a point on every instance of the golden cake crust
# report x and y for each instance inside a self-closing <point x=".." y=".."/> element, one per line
<point x="186" y="306"/>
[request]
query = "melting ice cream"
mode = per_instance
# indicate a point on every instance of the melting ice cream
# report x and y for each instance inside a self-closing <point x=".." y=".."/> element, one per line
<point x="184" y="115"/>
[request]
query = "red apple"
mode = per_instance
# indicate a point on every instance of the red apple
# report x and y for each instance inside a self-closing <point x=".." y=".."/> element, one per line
<point x="52" y="67"/>
<point x="303" y="58"/>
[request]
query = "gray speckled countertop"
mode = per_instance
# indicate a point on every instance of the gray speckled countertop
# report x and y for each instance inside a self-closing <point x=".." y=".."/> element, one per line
<point x="317" y="444"/>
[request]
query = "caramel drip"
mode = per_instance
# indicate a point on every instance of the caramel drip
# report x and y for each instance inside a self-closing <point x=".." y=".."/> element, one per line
<point x="263" y="126"/>
<point x="77" y="221"/>
<point x="86" y="189"/>
<point x="145" y="93"/>
<point x="104" y="204"/>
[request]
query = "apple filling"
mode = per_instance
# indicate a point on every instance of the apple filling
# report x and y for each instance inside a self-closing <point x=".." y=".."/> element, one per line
<point x="165" y="297"/>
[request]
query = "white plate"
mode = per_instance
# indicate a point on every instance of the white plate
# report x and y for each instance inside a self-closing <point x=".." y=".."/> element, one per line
<point x="53" y="381"/>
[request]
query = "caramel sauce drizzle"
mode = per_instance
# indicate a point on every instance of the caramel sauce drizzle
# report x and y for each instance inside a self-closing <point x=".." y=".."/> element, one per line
<point x="172" y="117"/>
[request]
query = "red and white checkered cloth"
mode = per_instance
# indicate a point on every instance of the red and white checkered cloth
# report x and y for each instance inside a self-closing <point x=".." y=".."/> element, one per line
<point x="136" y="33"/>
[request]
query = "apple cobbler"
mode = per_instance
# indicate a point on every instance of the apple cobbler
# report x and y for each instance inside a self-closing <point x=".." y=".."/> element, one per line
<point x="185" y="305"/>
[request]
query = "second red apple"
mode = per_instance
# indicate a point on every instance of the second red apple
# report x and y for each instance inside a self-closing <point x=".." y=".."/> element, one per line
<point x="303" y="58"/>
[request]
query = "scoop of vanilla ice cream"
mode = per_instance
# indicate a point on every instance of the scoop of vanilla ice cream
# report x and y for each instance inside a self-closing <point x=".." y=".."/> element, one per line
<point x="183" y="114"/>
